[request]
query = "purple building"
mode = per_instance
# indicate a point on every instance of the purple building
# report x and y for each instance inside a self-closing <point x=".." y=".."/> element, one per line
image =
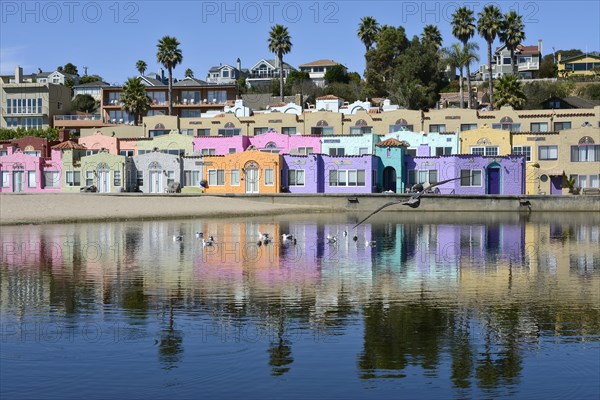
<point x="479" y="174"/>
<point x="300" y="174"/>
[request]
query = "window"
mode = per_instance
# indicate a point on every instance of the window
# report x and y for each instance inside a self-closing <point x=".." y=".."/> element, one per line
<point x="140" y="179"/>
<point x="585" y="153"/>
<point x="422" y="176"/>
<point x="187" y="132"/>
<point x="548" y="153"/>
<point x="260" y="131"/>
<point x="288" y="130"/>
<point x="467" y="127"/>
<point x="470" y="177"/>
<point x="31" y="179"/>
<point x="361" y="130"/>
<point x="5" y="182"/>
<point x="443" y="151"/>
<point x="189" y="97"/>
<point x="203" y="132"/>
<point x="35" y="153"/>
<point x="305" y="150"/>
<point x="217" y="96"/>
<point x="296" y="177"/>
<point x="51" y="179"/>
<point x="440" y="128"/>
<point x="126" y="153"/>
<point x="343" y="177"/>
<point x="232" y="150"/>
<point x="363" y="150"/>
<point x="208" y="152"/>
<point x="400" y="125"/>
<point x="523" y="151"/>
<point x="484" y="150"/>
<point x="73" y="178"/>
<point x="594" y="181"/>
<point x="170" y="178"/>
<point x="191" y="178"/>
<point x="117" y="178"/>
<point x="216" y="177"/>
<point x="269" y="176"/>
<point x="336" y="151"/>
<point x="271" y="147"/>
<point x="120" y="117"/>
<point x="235" y="177"/>
<point x="539" y="127"/>
<point x="229" y="132"/>
<point x="559" y="126"/>
<point x="89" y="178"/>
<point x="507" y="126"/>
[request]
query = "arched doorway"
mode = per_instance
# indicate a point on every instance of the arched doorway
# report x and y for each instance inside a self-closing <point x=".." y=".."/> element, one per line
<point x="494" y="177"/>
<point x="389" y="179"/>
<point x="155" y="175"/>
<point x="103" y="181"/>
<point x="251" y="176"/>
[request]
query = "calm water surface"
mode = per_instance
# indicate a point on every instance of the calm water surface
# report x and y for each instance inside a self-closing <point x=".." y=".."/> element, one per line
<point x="442" y="306"/>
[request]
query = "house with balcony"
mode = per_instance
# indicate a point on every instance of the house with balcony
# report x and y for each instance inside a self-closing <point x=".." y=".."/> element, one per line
<point x="226" y="74"/>
<point x="586" y="64"/>
<point x="31" y="105"/>
<point x="528" y="59"/>
<point x="317" y="70"/>
<point x="264" y="71"/>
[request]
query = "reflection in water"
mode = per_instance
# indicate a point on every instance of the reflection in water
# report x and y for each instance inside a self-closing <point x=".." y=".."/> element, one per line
<point x="466" y="303"/>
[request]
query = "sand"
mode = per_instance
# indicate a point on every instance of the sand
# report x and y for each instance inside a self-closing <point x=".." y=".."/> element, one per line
<point x="81" y="207"/>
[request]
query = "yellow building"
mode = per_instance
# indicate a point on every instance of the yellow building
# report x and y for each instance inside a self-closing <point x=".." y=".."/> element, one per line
<point x="583" y="64"/>
<point x="485" y="141"/>
<point x="251" y="171"/>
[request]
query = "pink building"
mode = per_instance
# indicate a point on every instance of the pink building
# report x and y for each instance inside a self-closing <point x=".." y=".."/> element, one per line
<point x="286" y="144"/>
<point x="97" y="142"/>
<point x="25" y="173"/>
<point x="220" y="145"/>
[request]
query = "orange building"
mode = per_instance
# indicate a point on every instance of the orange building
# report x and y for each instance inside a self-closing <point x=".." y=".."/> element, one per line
<point x="251" y="171"/>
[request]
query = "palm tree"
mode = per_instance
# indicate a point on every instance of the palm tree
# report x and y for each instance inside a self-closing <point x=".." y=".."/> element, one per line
<point x="458" y="57"/>
<point x="431" y="34"/>
<point x="512" y="34"/>
<point x="189" y="73"/>
<point x="134" y="98"/>
<point x="169" y="55"/>
<point x="141" y="66"/>
<point x="489" y="25"/>
<point x="280" y="43"/>
<point x="509" y="91"/>
<point x="463" y="28"/>
<point x="367" y="32"/>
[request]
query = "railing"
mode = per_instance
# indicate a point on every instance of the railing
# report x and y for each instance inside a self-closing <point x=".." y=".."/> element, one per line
<point x="93" y="117"/>
<point x="267" y="75"/>
<point x="529" y="65"/>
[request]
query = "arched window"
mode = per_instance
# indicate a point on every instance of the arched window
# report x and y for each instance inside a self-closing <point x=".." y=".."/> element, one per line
<point x="271" y="145"/>
<point x="154" y="165"/>
<point x="402" y="122"/>
<point x="506" y="120"/>
<point x="229" y="125"/>
<point x="361" y="122"/>
<point x="322" y="123"/>
<point x="586" y="140"/>
<point x="103" y="167"/>
<point x="159" y="126"/>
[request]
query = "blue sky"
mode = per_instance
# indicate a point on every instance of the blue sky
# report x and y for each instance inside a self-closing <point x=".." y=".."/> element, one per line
<point x="110" y="36"/>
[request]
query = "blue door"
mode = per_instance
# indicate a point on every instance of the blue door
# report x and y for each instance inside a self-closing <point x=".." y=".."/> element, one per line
<point x="493" y="180"/>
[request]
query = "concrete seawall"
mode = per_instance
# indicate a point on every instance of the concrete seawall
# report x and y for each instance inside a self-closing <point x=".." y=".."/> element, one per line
<point x="82" y="207"/>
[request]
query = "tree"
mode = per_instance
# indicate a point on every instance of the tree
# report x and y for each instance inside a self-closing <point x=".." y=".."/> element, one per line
<point x="512" y="34"/>
<point x="280" y="43"/>
<point x="84" y="103"/>
<point x="489" y="25"/>
<point x="509" y="91"/>
<point x="592" y="91"/>
<point x="548" y="68"/>
<point x="463" y="28"/>
<point x="169" y="55"/>
<point x="431" y="35"/>
<point x="368" y="29"/>
<point x="134" y="98"/>
<point x="383" y="60"/>
<point x="141" y="66"/>
<point x="537" y="92"/>
<point x="337" y="73"/>
<point x="189" y="73"/>
<point x="68" y="68"/>
<point x="90" y="78"/>
<point x="458" y="57"/>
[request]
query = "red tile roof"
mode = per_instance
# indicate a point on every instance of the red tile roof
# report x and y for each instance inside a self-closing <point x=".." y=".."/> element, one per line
<point x="391" y="142"/>
<point x="329" y="97"/>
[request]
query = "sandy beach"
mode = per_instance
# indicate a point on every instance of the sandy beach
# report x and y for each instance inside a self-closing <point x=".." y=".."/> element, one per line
<point x="85" y="207"/>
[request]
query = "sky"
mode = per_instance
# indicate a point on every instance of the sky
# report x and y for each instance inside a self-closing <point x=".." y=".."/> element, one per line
<point x="109" y="37"/>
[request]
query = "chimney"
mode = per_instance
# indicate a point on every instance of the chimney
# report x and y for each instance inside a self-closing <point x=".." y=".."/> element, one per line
<point x="63" y="135"/>
<point x="239" y="64"/>
<point x="162" y="75"/>
<point x="18" y="74"/>
<point x="540" y="47"/>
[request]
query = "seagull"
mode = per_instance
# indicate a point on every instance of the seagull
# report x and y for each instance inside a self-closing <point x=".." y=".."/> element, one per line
<point x="370" y="243"/>
<point x="413" y="202"/>
<point x="263" y="236"/>
<point x="345" y="232"/>
<point x="211" y="238"/>
<point x="199" y="235"/>
<point x="331" y="238"/>
<point x="206" y="243"/>
<point x="177" y="238"/>
<point x="287" y="236"/>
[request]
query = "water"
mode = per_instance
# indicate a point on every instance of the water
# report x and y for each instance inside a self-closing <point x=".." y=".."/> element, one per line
<point x="443" y="306"/>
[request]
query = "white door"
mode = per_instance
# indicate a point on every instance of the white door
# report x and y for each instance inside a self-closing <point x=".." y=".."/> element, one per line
<point x="156" y="182"/>
<point x="103" y="181"/>
<point x="18" y="181"/>
<point x="251" y="177"/>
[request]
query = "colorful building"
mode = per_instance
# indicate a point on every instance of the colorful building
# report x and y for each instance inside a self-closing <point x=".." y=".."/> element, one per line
<point x="220" y="145"/>
<point x="156" y="172"/>
<point x="274" y="142"/>
<point x="250" y="172"/>
<point x="301" y="173"/>
<point x="27" y="173"/>
<point x="349" y="174"/>
<point x="107" y="172"/>
<point x="390" y="154"/>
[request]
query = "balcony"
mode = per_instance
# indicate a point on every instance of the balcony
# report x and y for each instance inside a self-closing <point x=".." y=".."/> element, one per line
<point x="83" y="121"/>
<point x="529" y="66"/>
<point x="264" y="75"/>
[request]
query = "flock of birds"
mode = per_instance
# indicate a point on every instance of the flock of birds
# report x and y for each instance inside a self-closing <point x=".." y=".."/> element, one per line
<point x="288" y="239"/>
